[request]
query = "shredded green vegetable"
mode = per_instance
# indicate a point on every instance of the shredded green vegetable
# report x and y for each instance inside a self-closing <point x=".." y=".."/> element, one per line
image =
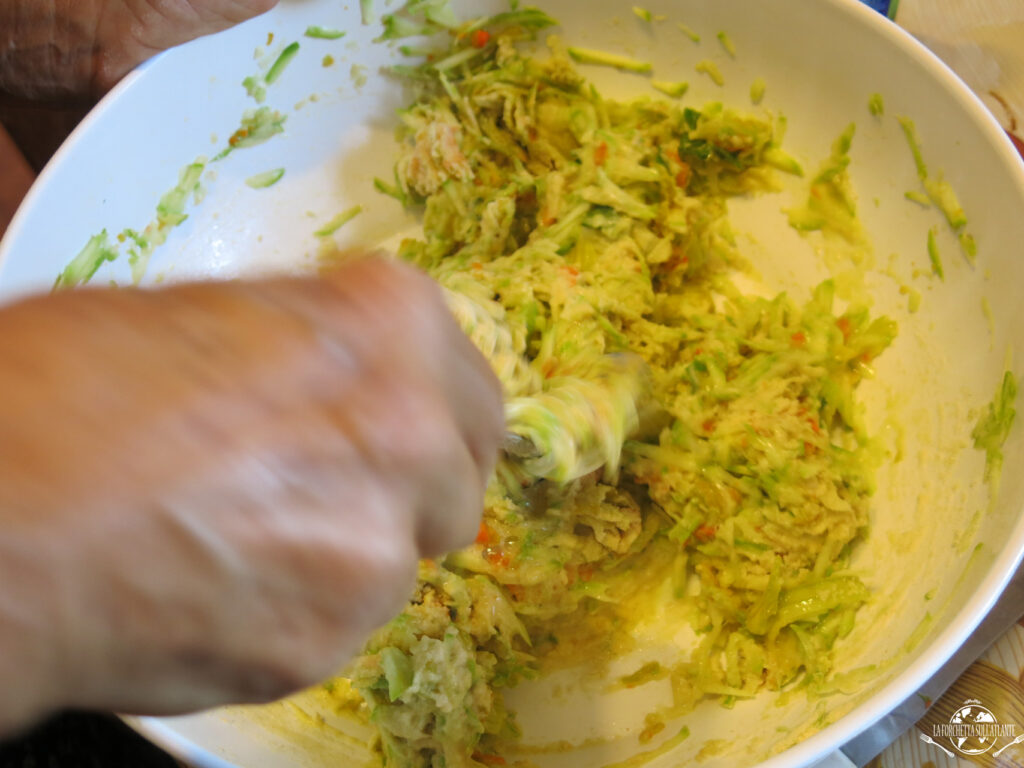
<point x="920" y="198"/>
<point x="324" y="33"/>
<point x="831" y="206"/>
<point x="590" y="56"/>
<point x="675" y="90"/>
<point x="727" y="44"/>
<point x="581" y="240"/>
<point x="689" y="32"/>
<point x="652" y="670"/>
<point x="258" y="126"/>
<point x="876" y="105"/>
<point x="643" y="14"/>
<point x="366" y="13"/>
<point x="939" y="191"/>
<point x="968" y="246"/>
<point x="397" y="27"/>
<point x="88" y="260"/>
<point x="254" y="87"/>
<point x="709" y="68"/>
<point x="757" y="89"/>
<point x="282" y="62"/>
<point x="934" y="256"/>
<point x="993" y="427"/>
<point x="419" y="18"/>
<point x="910" y="132"/>
<point x="339" y="221"/>
<point x="391" y="190"/>
<point x="170" y="213"/>
<point x="265" y="179"/>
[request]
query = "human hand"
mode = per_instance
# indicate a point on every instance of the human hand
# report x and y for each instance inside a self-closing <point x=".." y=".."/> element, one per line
<point x="60" y="50"/>
<point x="213" y="492"/>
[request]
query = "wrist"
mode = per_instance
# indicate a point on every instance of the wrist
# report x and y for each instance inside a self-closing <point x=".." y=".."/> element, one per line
<point x="31" y="666"/>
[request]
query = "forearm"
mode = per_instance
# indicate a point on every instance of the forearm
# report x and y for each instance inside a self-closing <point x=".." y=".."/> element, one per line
<point x="56" y="50"/>
<point x="71" y="52"/>
<point x="50" y="49"/>
<point x="49" y="57"/>
<point x="57" y="57"/>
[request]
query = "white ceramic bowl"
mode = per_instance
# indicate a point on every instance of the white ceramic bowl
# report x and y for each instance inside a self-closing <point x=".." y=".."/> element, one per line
<point x="821" y="62"/>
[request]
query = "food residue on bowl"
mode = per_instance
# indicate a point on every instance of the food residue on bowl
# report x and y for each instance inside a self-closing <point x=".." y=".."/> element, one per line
<point x="586" y="226"/>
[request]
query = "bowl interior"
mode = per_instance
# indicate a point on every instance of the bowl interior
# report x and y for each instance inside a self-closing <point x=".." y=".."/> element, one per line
<point x="938" y="552"/>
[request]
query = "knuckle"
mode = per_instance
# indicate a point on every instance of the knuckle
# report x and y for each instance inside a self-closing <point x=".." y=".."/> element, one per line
<point x="449" y="515"/>
<point x="423" y="428"/>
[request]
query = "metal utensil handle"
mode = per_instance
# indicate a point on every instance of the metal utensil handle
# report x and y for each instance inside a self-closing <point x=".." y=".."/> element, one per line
<point x="929" y="740"/>
<point x="1005" y="747"/>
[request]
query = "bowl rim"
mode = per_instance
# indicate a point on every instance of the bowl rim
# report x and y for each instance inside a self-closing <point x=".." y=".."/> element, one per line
<point x="159" y="733"/>
<point x="1004" y="565"/>
<point x="42" y="181"/>
<point x="1001" y="570"/>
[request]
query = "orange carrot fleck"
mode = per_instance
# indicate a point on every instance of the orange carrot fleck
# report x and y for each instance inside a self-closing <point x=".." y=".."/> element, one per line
<point x="489" y="759"/>
<point x="481" y="38"/>
<point x="705" y="533"/>
<point x="498" y="558"/>
<point x="483" y="536"/>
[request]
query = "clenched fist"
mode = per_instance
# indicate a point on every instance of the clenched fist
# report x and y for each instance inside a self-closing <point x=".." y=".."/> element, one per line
<point x="212" y="493"/>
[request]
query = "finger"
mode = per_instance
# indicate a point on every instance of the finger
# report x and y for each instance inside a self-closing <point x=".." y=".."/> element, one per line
<point x="473" y="391"/>
<point x="475" y="399"/>
<point x="451" y="499"/>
